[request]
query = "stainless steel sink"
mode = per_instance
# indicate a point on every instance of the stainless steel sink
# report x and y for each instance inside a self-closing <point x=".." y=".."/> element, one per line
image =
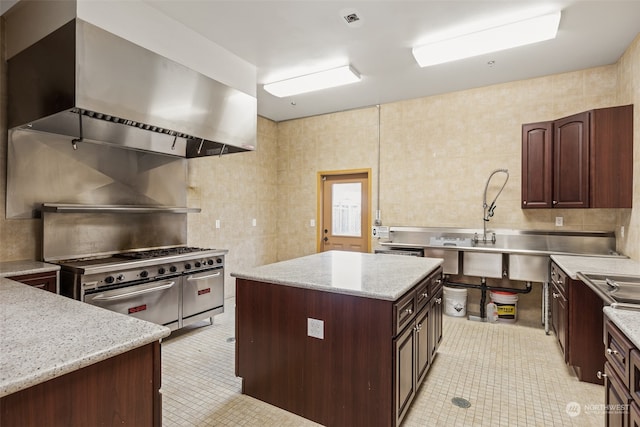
<point x="618" y="288"/>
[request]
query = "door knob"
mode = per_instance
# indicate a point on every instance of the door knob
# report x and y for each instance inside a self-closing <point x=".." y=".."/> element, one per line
<point x="326" y="231"/>
<point x="326" y="239"/>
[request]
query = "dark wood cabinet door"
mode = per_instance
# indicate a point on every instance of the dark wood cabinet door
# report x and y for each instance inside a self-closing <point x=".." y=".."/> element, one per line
<point x="616" y="398"/>
<point x="537" y="165"/>
<point x="611" y="149"/>
<point x="571" y="161"/>
<point x="405" y="374"/>
<point x="435" y="324"/>
<point x="423" y="343"/>
<point x="634" y="415"/>
<point x="559" y="318"/>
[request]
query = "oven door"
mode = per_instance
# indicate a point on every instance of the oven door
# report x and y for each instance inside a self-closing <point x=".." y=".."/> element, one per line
<point x="156" y="301"/>
<point x="202" y="295"/>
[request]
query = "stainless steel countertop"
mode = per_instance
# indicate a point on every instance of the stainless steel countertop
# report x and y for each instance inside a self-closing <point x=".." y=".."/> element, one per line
<point x="525" y="242"/>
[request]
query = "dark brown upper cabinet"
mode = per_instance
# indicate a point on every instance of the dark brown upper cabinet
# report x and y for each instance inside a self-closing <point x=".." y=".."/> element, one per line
<point x="580" y="161"/>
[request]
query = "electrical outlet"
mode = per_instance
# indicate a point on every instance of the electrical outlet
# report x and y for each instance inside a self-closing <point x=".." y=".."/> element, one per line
<point x="559" y="221"/>
<point x="254" y="222"/>
<point x="622" y="231"/>
<point x="315" y="328"/>
<point x="217" y="223"/>
<point x="312" y="223"/>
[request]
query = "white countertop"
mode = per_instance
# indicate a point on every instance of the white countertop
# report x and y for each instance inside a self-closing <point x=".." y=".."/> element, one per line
<point x="572" y="265"/>
<point x="44" y="335"/>
<point x="18" y="268"/>
<point x="379" y="276"/>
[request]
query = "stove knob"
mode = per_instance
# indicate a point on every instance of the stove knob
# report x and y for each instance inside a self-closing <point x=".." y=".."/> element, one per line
<point x="109" y="279"/>
<point x="210" y="262"/>
<point x="161" y="270"/>
<point x="187" y="266"/>
<point x="198" y="265"/>
<point x="120" y="277"/>
<point x="144" y="274"/>
<point x="173" y="269"/>
<point x="219" y="260"/>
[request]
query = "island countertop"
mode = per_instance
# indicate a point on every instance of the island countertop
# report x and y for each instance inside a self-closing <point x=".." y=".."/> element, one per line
<point x="45" y="335"/>
<point x="17" y="268"/>
<point x="379" y="276"/>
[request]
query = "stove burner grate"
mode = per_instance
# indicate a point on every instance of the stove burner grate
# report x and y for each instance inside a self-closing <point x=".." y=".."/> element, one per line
<point x="155" y="253"/>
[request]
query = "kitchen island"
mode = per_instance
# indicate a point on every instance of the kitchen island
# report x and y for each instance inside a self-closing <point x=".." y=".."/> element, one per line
<point x="340" y="338"/>
<point x="64" y="362"/>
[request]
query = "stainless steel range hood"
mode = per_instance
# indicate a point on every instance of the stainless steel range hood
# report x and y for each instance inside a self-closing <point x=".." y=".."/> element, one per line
<point x="93" y="86"/>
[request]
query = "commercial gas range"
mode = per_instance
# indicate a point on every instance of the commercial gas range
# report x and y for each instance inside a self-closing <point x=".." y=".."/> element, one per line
<point x="171" y="286"/>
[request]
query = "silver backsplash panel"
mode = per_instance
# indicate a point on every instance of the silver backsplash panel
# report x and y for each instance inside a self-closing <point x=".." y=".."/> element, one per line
<point x="44" y="168"/>
<point x="78" y="235"/>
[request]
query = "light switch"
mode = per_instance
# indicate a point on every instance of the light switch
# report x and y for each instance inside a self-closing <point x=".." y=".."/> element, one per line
<point x="312" y="223"/>
<point x="559" y="221"/>
<point x="217" y="223"/>
<point x="254" y="222"/>
<point x="315" y="328"/>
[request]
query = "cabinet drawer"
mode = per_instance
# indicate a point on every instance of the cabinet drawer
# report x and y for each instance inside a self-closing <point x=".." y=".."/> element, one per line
<point x="436" y="283"/>
<point x="423" y="292"/>
<point x="404" y="310"/>
<point x="617" y="351"/>
<point x="47" y="281"/>
<point x="559" y="278"/>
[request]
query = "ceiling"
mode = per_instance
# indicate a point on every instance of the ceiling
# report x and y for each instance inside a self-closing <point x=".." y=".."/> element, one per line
<point x="288" y="38"/>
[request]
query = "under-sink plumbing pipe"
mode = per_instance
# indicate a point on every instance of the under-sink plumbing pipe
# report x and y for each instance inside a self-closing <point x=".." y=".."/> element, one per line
<point x="483" y="291"/>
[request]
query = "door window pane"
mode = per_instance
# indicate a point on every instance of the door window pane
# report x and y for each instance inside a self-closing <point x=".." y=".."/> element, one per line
<point x="346" y="207"/>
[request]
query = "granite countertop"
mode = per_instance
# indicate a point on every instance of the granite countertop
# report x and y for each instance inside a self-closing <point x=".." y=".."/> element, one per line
<point x="572" y="265"/>
<point x="379" y="276"/>
<point x="44" y="335"/>
<point x="628" y="321"/>
<point x="18" y="268"/>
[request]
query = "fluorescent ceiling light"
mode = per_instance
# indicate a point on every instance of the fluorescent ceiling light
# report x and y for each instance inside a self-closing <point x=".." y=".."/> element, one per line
<point x="311" y="82"/>
<point x="490" y="40"/>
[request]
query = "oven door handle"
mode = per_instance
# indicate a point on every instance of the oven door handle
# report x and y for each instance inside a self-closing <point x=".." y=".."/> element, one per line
<point x="140" y="292"/>
<point x="210" y="276"/>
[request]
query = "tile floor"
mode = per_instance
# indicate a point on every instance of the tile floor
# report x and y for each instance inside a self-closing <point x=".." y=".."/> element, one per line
<point x="512" y="376"/>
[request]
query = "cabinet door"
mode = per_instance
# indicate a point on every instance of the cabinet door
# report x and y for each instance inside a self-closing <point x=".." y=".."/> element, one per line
<point x="423" y="343"/>
<point x="571" y="161"/>
<point x="536" y="165"/>
<point x="559" y="318"/>
<point x="435" y="324"/>
<point x="616" y="398"/>
<point x="405" y="374"/>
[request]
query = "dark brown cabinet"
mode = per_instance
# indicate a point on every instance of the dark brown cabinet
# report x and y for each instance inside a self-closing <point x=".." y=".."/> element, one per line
<point x="576" y="320"/>
<point x="621" y="378"/>
<point x="365" y="371"/>
<point x="580" y="161"/>
<point x="560" y="309"/>
<point x="121" y="390"/>
<point x="47" y="281"/>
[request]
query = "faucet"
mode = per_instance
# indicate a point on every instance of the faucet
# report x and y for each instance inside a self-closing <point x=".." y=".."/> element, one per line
<point x="488" y="209"/>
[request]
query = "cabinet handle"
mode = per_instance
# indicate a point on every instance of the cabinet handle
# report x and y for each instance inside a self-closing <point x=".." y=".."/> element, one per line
<point x="524" y="203"/>
<point x="417" y="328"/>
<point x="555" y="202"/>
<point x="600" y="375"/>
<point x="439" y="300"/>
<point x="555" y="295"/>
<point x="408" y="311"/>
<point x="614" y="352"/>
<point x="439" y="282"/>
<point x="425" y="295"/>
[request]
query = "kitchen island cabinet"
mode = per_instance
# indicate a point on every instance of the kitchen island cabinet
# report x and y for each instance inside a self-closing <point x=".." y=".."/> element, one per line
<point x="68" y="363"/>
<point x="340" y="338"/>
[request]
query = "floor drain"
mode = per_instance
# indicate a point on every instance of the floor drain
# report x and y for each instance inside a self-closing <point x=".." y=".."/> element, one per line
<point x="460" y="402"/>
<point x="231" y="339"/>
